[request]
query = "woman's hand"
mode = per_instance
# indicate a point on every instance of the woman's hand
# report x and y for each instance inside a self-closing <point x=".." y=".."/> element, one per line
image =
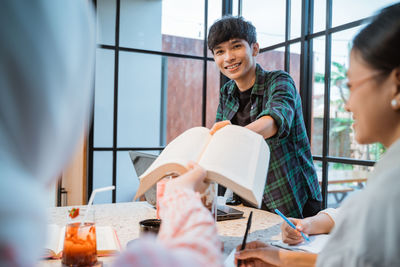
<point x="219" y="125"/>
<point x="321" y="223"/>
<point x="293" y="236"/>
<point x="193" y="179"/>
<point x="257" y="254"/>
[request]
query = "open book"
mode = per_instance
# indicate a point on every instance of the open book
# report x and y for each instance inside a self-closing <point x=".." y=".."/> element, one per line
<point x="234" y="157"/>
<point x="106" y="239"/>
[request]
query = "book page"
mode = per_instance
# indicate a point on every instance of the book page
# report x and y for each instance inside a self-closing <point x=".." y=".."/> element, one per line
<point x="52" y="239"/>
<point x="186" y="147"/>
<point x="315" y="245"/>
<point x="174" y="158"/>
<point x="61" y="240"/>
<point x="231" y="153"/>
<point x="230" y="260"/>
<point x="241" y="156"/>
<point x="106" y="240"/>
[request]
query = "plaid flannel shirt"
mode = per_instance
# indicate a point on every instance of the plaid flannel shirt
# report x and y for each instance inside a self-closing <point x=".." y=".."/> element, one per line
<point x="291" y="178"/>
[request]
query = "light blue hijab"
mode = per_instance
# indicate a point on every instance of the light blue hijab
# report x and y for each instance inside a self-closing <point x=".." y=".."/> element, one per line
<point x="46" y="71"/>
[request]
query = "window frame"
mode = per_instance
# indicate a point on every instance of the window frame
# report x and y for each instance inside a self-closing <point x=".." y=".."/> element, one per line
<point x="306" y="82"/>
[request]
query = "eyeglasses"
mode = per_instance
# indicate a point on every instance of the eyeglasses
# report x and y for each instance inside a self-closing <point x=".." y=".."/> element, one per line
<point x="345" y="84"/>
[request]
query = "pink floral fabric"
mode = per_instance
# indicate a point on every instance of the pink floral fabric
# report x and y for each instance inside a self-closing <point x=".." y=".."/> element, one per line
<point x="188" y="236"/>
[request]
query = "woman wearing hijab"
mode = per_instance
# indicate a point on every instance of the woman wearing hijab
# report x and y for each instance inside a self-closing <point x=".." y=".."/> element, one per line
<point x="46" y="70"/>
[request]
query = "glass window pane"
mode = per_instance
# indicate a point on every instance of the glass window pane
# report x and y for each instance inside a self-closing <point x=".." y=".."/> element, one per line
<point x="104" y="98"/>
<point x="344" y="180"/>
<point x="295" y="19"/>
<point x="105" y="21"/>
<point x="185" y="93"/>
<point x="175" y="26"/>
<point x="235" y="7"/>
<point x="102" y="175"/>
<point x="272" y="60"/>
<point x="185" y="19"/>
<point x="342" y="142"/>
<point x="213" y="86"/>
<point x="319" y="15"/>
<point x="344" y="11"/>
<point x="139" y="102"/>
<point x="294" y="68"/>
<point x="127" y="179"/>
<point x="268" y="16"/>
<point x="182" y="45"/>
<point x="318" y="170"/>
<point x="214" y="13"/>
<point x="140" y="24"/>
<point x="139" y="99"/>
<point x="340" y="119"/>
<point x="318" y="95"/>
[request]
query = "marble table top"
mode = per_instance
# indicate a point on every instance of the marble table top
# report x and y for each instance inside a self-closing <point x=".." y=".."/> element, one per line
<point x="125" y="217"/>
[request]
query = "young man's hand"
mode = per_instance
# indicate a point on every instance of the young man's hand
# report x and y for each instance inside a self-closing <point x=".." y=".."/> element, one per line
<point x="219" y="125"/>
<point x="257" y="254"/>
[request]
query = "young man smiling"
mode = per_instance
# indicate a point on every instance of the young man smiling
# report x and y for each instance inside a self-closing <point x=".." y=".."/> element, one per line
<point x="269" y="104"/>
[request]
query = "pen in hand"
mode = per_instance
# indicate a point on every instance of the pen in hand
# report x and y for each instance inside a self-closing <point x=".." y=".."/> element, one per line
<point x="291" y="224"/>
<point x="245" y="236"/>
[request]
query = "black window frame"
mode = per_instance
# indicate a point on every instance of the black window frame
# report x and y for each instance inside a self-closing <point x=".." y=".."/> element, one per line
<point x="306" y="82"/>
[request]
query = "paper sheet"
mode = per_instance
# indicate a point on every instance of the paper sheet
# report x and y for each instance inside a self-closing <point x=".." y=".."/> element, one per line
<point x="315" y="245"/>
<point x="230" y="260"/>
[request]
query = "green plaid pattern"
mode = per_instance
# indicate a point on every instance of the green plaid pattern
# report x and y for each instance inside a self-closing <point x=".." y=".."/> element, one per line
<point x="291" y="179"/>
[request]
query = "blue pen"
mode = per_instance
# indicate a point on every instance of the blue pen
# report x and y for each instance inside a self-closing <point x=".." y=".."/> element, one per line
<point x="291" y="224"/>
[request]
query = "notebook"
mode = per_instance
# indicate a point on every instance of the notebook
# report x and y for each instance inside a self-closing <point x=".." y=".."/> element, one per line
<point x="141" y="161"/>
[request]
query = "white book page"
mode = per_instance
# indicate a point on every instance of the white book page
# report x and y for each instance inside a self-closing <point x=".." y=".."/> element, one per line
<point x="105" y="238"/>
<point x="186" y="147"/>
<point x="233" y="152"/>
<point x="230" y="260"/>
<point x="61" y="238"/>
<point x="53" y="237"/>
<point x="315" y="245"/>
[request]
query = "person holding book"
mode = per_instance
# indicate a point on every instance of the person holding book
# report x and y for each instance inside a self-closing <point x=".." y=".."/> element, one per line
<point x="366" y="231"/>
<point x="268" y="103"/>
<point x="47" y="51"/>
<point x="188" y="235"/>
<point x="45" y="102"/>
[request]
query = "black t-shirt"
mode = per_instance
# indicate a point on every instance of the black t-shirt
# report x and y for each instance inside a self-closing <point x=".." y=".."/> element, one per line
<point x="242" y="116"/>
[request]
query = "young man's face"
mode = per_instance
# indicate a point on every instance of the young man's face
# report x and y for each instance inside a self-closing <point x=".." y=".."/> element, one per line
<point x="236" y="58"/>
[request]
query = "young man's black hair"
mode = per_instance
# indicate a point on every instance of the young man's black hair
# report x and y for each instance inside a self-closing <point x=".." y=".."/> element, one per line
<point x="229" y="27"/>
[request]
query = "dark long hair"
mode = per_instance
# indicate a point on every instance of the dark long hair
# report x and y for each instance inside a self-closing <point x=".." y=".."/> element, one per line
<point x="379" y="42"/>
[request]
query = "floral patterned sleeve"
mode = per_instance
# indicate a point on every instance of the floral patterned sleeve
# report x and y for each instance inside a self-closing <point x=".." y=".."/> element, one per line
<point x="188" y="236"/>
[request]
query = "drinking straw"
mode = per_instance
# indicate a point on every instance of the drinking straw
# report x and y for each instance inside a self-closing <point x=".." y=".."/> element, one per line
<point x="89" y="205"/>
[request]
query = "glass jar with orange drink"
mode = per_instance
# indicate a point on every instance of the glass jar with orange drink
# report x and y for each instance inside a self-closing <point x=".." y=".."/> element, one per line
<point x="80" y="244"/>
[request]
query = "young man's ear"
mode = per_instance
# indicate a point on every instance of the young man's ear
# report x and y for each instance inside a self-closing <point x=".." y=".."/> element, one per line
<point x="255" y="48"/>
